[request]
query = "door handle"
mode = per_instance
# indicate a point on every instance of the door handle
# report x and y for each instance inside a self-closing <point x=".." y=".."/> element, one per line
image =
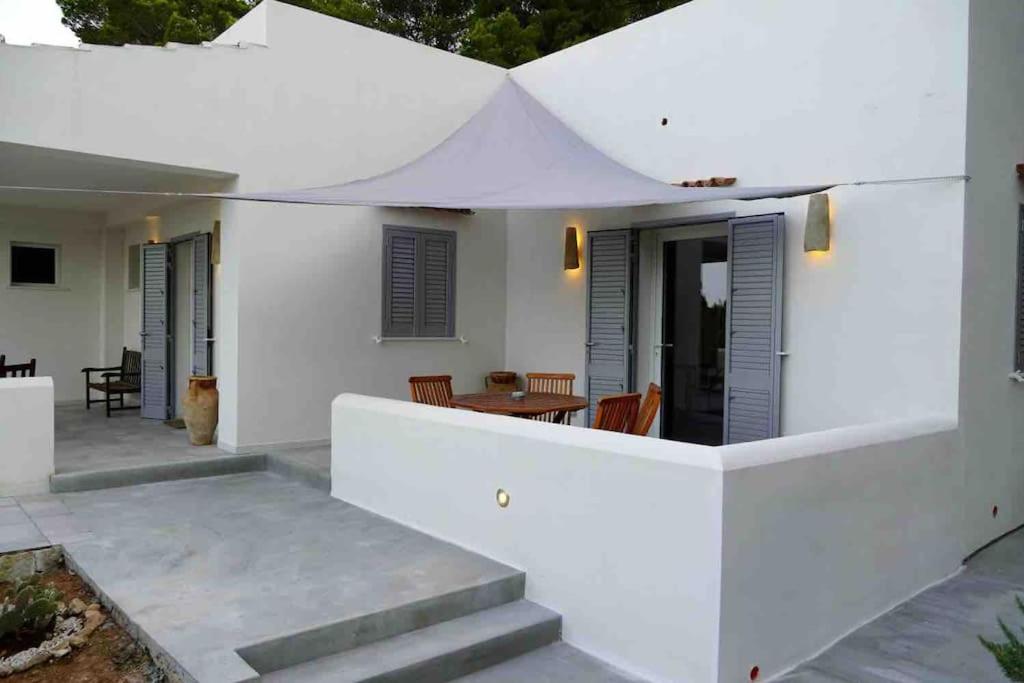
<point x="782" y="354"/>
<point x="664" y="346"/>
<point x="210" y="339"/>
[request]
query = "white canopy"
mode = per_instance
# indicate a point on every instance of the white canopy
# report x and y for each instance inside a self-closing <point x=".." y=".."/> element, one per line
<point x="514" y="154"/>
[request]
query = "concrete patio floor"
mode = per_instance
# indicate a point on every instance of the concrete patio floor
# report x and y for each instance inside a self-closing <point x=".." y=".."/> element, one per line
<point x="933" y="637"/>
<point x="207" y="566"/>
<point x="89" y="442"/>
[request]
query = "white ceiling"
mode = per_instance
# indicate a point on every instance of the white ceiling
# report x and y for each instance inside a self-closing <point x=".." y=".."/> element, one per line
<point x="28" y="166"/>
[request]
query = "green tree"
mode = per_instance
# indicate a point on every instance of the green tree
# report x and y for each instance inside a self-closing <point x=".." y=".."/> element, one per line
<point x="503" y="32"/>
<point x="501" y="40"/>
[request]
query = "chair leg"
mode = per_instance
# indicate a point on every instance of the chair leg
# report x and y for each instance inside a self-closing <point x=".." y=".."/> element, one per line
<point x="88" y="405"/>
<point x="108" y="404"/>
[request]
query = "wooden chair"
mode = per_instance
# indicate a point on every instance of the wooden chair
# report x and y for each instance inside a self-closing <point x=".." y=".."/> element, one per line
<point x="432" y="390"/>
<point x="118" y="380"/>
<point x="20" y="370"/>
<point x="551" y="383"/>
<point x="617" y="413"/>
<point x="501" y="382"/>
<point x="648" y="411"/>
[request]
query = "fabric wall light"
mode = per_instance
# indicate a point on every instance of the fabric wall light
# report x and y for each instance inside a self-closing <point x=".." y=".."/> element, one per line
<point x="572" y="250"/>
<point x="818" y="228"/>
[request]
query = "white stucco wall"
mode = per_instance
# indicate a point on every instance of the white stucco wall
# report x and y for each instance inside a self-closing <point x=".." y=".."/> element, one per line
<point x="58" y="326"/>
<point x="871" y="327"/>
<point x="991" y="407"/>
<point x="26" y="435"/>
<point x="675" y="561"/>
<point x="268" y="114"/>
<point x="823" y="532"/>
<point x="620" y="535"/>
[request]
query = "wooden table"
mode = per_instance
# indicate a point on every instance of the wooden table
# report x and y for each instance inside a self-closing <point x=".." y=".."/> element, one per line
<point x="531" y="405"/>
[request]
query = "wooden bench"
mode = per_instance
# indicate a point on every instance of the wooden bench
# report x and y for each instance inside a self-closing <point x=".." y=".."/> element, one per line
<point x="118" y="380"/>
<point x="20" y="370"/>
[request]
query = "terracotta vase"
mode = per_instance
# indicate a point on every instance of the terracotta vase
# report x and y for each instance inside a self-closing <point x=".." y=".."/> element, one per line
<point x="201" y="409"/>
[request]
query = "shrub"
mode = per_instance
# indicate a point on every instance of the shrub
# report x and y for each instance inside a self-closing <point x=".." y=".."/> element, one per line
<point x="28" y="608"/>
<point x="1009" y="655"/>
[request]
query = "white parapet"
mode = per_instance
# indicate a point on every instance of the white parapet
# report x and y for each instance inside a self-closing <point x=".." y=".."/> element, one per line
<point x="676" y="561"/>
<point x="26" y="435"/>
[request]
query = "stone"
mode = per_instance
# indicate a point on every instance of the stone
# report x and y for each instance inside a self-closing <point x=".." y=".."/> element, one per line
<point x="93" y="620"/>
<point x="17" y="566"/>
<point x="76" y="606"/>
<point x="26" y="659"/>
<point x="93" y="607"/>
<point x="47" y="559"/>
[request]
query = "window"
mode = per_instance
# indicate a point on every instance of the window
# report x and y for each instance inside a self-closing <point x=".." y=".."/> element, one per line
<point x="35" y="265"/>
<point x="419" y="283"/>
<point x="134" y="264"/>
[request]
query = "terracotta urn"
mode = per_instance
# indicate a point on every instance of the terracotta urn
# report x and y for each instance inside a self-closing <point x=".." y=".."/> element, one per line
<point x="201" y="409"/>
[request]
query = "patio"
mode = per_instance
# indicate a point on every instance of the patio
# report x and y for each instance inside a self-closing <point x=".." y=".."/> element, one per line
<point x="227" y="577"/>
<point x="125" y="445"/>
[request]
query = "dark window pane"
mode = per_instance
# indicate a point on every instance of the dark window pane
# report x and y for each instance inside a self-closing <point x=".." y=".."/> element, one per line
<point x="33" y="265"/>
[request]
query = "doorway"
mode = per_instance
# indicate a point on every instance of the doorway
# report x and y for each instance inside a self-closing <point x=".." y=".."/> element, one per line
<point x="694" y="300"/>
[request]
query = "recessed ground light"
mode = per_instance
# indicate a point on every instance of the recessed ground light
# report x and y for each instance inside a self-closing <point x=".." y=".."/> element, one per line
<point x="664" y="122"/>
<point x="503" y="498"/>
<point x="755" y="672"/>
<point x="995" y="510"/>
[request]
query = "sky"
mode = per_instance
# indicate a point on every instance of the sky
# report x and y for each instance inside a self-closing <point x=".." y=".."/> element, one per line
<point x="24" y="22"/>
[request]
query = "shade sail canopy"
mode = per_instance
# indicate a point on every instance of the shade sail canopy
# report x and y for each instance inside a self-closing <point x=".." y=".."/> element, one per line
<point x="514" y="154"/>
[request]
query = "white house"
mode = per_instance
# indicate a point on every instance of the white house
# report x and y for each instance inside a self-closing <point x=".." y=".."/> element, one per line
<point x="893" y="372"/>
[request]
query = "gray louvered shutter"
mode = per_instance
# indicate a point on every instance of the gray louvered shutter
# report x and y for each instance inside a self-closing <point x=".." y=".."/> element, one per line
<point x="399" y="283"/>
<point x="202" y="310"/>
<point x="608" y="315"/>
<point x="1018" y="341"/>
<point x="438" y="295"/>
<point x="155" y="347"/>
<point x="754" y="328"/>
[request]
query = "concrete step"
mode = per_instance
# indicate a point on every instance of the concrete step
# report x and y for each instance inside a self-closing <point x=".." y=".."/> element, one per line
<point x="438" y="653"/>
<point x="348" y="634"/>
<point x="557" y="663"/>
<point x="91" y="480"/>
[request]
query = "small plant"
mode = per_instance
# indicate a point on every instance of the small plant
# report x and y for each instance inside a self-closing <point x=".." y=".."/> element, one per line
<point x="28" y="608"/>
<point x="1009" y="655"/>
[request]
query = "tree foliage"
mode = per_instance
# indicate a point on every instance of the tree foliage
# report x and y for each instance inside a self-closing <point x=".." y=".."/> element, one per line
<point x="503" y="32"/>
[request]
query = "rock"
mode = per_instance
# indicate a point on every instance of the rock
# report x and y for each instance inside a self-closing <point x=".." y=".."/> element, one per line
<point x="26" y="659"/>
<point x="76" y="606"/>
<point x="5" y="668"/>
<point x="93" y="607"/>
<point x="93" y="620"/>
<point x="17" y="566"/>
<point x="47" y="559"/>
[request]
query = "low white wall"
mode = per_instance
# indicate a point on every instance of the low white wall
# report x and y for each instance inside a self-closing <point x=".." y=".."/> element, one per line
<point x="825" y="531"/>
<point x="620" y="535"/>
<point x="675" y="561"/>
<point x="26" y="435"/>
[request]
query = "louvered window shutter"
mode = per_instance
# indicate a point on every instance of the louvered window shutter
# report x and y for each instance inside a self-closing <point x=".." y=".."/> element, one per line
<point x="202" y="309"/>
<point x="608" y="316"/>
<point x="155" y="349"/>
<point x="1018" y="346"/>
<point x="419" y="283"/>
<point x="754" y="328"/>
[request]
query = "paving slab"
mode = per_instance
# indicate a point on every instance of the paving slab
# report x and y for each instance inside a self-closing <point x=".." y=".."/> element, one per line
<point x="933" y="636"/>
<point x="87" y="441"/>
<point x="204" y="567"/>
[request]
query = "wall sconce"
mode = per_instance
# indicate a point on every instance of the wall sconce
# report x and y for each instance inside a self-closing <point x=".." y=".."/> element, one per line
<point x="572" y="250"/>
<point x="818" y="228"/>
<point x="215" y="244"/>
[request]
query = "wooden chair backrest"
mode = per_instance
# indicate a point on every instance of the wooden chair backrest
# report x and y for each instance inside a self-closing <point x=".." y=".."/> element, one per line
<point x="648" y="410"/>
<point x="433" y="390"/>
<point x="550" y="383"/>
<point x="500" y="382"/>
<point x="617" y="413"/>
<point x="131" y="366"/>
<point x="20" y="370"/>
